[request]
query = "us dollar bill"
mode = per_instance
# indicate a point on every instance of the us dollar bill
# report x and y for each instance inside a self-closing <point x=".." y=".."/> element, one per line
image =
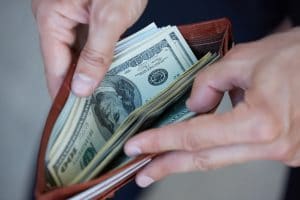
<point x="132" y="80"/>
<point x="61" y="120"/>
<point x="153" y="111"/>
<point x="136" y="38"/>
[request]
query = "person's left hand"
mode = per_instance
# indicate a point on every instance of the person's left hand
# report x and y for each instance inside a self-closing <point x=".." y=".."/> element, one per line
<point x="263" y="77"/>
<point x="63" y="24"/>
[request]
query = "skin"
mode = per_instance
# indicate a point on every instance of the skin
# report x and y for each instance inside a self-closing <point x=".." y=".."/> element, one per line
<point x="263" y="80"/>
<point x="261" y="77"/>
<point x="58" y="21"/>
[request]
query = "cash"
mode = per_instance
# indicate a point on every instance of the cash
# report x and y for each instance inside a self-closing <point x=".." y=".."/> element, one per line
<point x="151" y="70"/>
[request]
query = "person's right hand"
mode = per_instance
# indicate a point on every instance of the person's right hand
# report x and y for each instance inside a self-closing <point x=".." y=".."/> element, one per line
<point x="57" y="20"/>
<point x="262" y="78"/>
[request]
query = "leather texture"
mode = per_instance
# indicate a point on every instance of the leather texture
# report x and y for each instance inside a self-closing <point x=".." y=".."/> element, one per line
<point x="214" y="36"/>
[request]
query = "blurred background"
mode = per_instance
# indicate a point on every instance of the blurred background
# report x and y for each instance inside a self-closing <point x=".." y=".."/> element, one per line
<point x="24" y="105"/>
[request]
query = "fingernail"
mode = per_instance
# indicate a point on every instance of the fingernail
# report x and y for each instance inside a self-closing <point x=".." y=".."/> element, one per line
<point x="144" y="181"/>
<point x="133" y="151"/>
<point x="82" y="83"/>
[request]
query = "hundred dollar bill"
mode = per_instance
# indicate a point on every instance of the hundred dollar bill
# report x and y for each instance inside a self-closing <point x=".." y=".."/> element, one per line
<point x="172" y="33"/>
<point x="67" y="129"/>
<point x="60" y="122"/>
<point x="132" y="80"/>
<point x="178" y="112"/>
<point x="121" y="46"/>
<point x="150" y="112"/>
<point x="148" y="33"/>
<point x="136" y="38"/>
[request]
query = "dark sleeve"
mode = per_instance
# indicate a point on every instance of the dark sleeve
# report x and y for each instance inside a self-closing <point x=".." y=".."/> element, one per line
<point x="294" y="11"/>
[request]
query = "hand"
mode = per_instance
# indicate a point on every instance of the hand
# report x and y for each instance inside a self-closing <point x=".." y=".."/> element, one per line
<point x="57" y="21"/>
<point x="262" y="78"/>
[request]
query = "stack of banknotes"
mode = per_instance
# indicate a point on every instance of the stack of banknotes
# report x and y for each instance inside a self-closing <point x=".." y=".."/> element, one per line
<point x="146" y="86"/>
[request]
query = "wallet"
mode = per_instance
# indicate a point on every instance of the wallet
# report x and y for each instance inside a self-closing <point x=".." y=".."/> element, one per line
<point x="210" y="36"/>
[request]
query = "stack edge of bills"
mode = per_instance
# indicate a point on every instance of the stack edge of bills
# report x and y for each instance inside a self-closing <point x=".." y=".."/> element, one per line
<point x="146" y="86"/>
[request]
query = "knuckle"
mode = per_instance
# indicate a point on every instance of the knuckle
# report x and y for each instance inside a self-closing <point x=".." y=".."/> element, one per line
<point x="283" y="152"/>
<point x="43" y="18"/>
<point x="161" y="168"/>
<point x="44" y="14"/>
<point x="155" y="142"/>
<point x="286" y="152"/>
<point x="189" y="142"/>
<point x="202" y="162"/>
<point x="164" y="170"/>
<point x="267" y="128"/>
<point x="237" y="52"/>
<point x="110" y="15"/>
<point x="94" y="58"/>
<point x="135" y="9"/>
<point x="55" y="72"/>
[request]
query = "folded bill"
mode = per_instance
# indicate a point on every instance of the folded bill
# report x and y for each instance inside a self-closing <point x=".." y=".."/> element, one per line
<point x="151" y="70"/>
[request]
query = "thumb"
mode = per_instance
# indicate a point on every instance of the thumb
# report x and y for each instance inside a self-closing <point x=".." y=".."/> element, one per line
<point x="210" y="84"/>
<point x="108" y="20"/>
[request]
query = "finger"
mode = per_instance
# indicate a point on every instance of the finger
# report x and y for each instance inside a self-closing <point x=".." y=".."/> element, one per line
<point x="56" y="22"/>
<point x="74" y="10"/>
<point x="56" y="37"/>
<point x="57" y="59"/>
<point x="179" y="162"/>
<point x="108" y="21"/>
<point x="244" y="124"/>
<point x="210" y="85"/>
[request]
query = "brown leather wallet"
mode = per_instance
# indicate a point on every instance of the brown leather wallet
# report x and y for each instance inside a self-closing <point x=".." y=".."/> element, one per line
<point x="213" y="36"/>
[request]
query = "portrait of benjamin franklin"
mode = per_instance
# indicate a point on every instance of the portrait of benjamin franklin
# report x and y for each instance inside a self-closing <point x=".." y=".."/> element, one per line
<point x="113" y="101"/>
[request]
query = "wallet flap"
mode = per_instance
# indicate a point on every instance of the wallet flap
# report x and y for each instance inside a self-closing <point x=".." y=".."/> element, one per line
<point x="213" y="36"/>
